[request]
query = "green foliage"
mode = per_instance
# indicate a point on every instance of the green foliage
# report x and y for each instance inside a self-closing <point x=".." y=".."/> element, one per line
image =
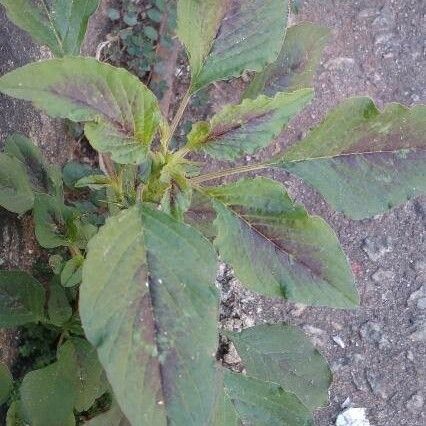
<point x="59" y="24"/>
<point x="241" y="44"/>
<point x="6" y="383"/>
<point x="163" y="317"/>
<point x="296" y="64"/>
<point x="243" y="129"/>
<point x="130" y="314"/>
<point x="22" y="299"/>
<point x="362" y="160"/>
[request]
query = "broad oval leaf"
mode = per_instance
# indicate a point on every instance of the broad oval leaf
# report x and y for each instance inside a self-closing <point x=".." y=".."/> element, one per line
<point x="88" y="375"/>
<point x="362" y="160"/>
<point x="52" y="219"/>
<point x="148" y="304"/>
<point x="42" y="176"/>
<point x="16" y="194"/>
<point x="277" y="249"/>
<point x="59" y="24"/>
<point x="226" y="37"/>
<point x="198" y="24"/>
<point x="282" y="354"/>
<point x="121" y="114"/>
<point x="263" y="403"/>
<point x="243" y="129"/>
<point x="47" y="396"/>
<point x="22" y="299"/>
<point x="71" y="274"/>
<point x="58" y="307"/>
<point x="296" y="64"/>
<point x="6" y="383"/>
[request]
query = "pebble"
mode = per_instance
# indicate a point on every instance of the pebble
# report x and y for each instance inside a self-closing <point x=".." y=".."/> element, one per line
<point x="417" y="295"/>
<point x="232" y="357"/>
<point x="382" y="276"/>
<point x="339" y="63"/>
<point x="415" y="403"/>
<point x="376" y="384"/>
<point x="376" y="248"/>
<point x="353" y="417"/>
<point x="419" y="335"/>
<point x="372" y="332"/>
<point x="339" y="341"/>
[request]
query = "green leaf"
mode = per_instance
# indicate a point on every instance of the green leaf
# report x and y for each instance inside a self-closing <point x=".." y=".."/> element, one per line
<point x="225" y="38"/>
<point x="16" y="194"/>
<point x="153" y="317"/>
<point x="72" y="272"/>
<point x="21" y="299"/>
<point x="59" y="309"/>
<point x="43" y="177"/>
<point x="177" y="199"/>
<point x="88" y="374"/>
<point x="74" y="171"/>
<point x="362" y="160"/>
<point x="51" y="218"/>
<point x="121" y="114"/>
<point x="277" y="249"/>
<point x="93" y="182"/>
<point x="14" y="415"/>
<point x="296" y="64"/>
<point x="265" y="404"/>
<point x="243" y="129"/>
<point x="113" y="417"/>
<point x="198" y="24"/>
<point x="6" y="383"/>
<point x="282" y="354"/>
<point x="48" y="395"/>
<point x="59" y="24"/>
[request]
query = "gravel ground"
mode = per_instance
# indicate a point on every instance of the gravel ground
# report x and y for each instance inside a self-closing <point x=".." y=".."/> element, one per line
<point x="377" y="353"/>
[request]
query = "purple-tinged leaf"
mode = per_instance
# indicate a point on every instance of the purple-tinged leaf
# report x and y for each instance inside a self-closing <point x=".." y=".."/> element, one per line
<point x="296" y="64"/>
<point x="243" y="129"/>
<point x="362" y="160"/>
<point x="153" y="318"/>
<point x="121" y="114"/>
<point x="224" y="38"/>
<point x="277" y="249"/>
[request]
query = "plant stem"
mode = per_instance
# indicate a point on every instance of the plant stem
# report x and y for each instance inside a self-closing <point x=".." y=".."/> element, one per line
<point x="176" y="120"/>
<point x="228" y="172"/>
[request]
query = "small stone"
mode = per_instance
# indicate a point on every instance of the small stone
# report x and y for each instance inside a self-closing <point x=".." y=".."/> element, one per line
<point x="367" y="13"/>
<point x="298" y="310"/>
<point x="421" y="303"/>
<point x="376" y="384"/>
<point x="232" y="357"/>
<point x="339" y="341"/>
<point x="318" y="336"/>
<point x="382" y="276"/>
<point x="419" y="334"/>
<point x="383" y="38"/>
<point x="415" y="403"/>
<point x="376" y="248"/>
<point x="417" y="295"/>
<point x="339" y="63"/>
<point x="353" y="417"/>
<point x="410" y="356"/>
<point x="372" y="332"/>
<point x="346" y="403"/>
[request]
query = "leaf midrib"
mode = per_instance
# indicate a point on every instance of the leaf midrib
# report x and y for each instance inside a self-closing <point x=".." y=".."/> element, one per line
<point x="334" y="156"/>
